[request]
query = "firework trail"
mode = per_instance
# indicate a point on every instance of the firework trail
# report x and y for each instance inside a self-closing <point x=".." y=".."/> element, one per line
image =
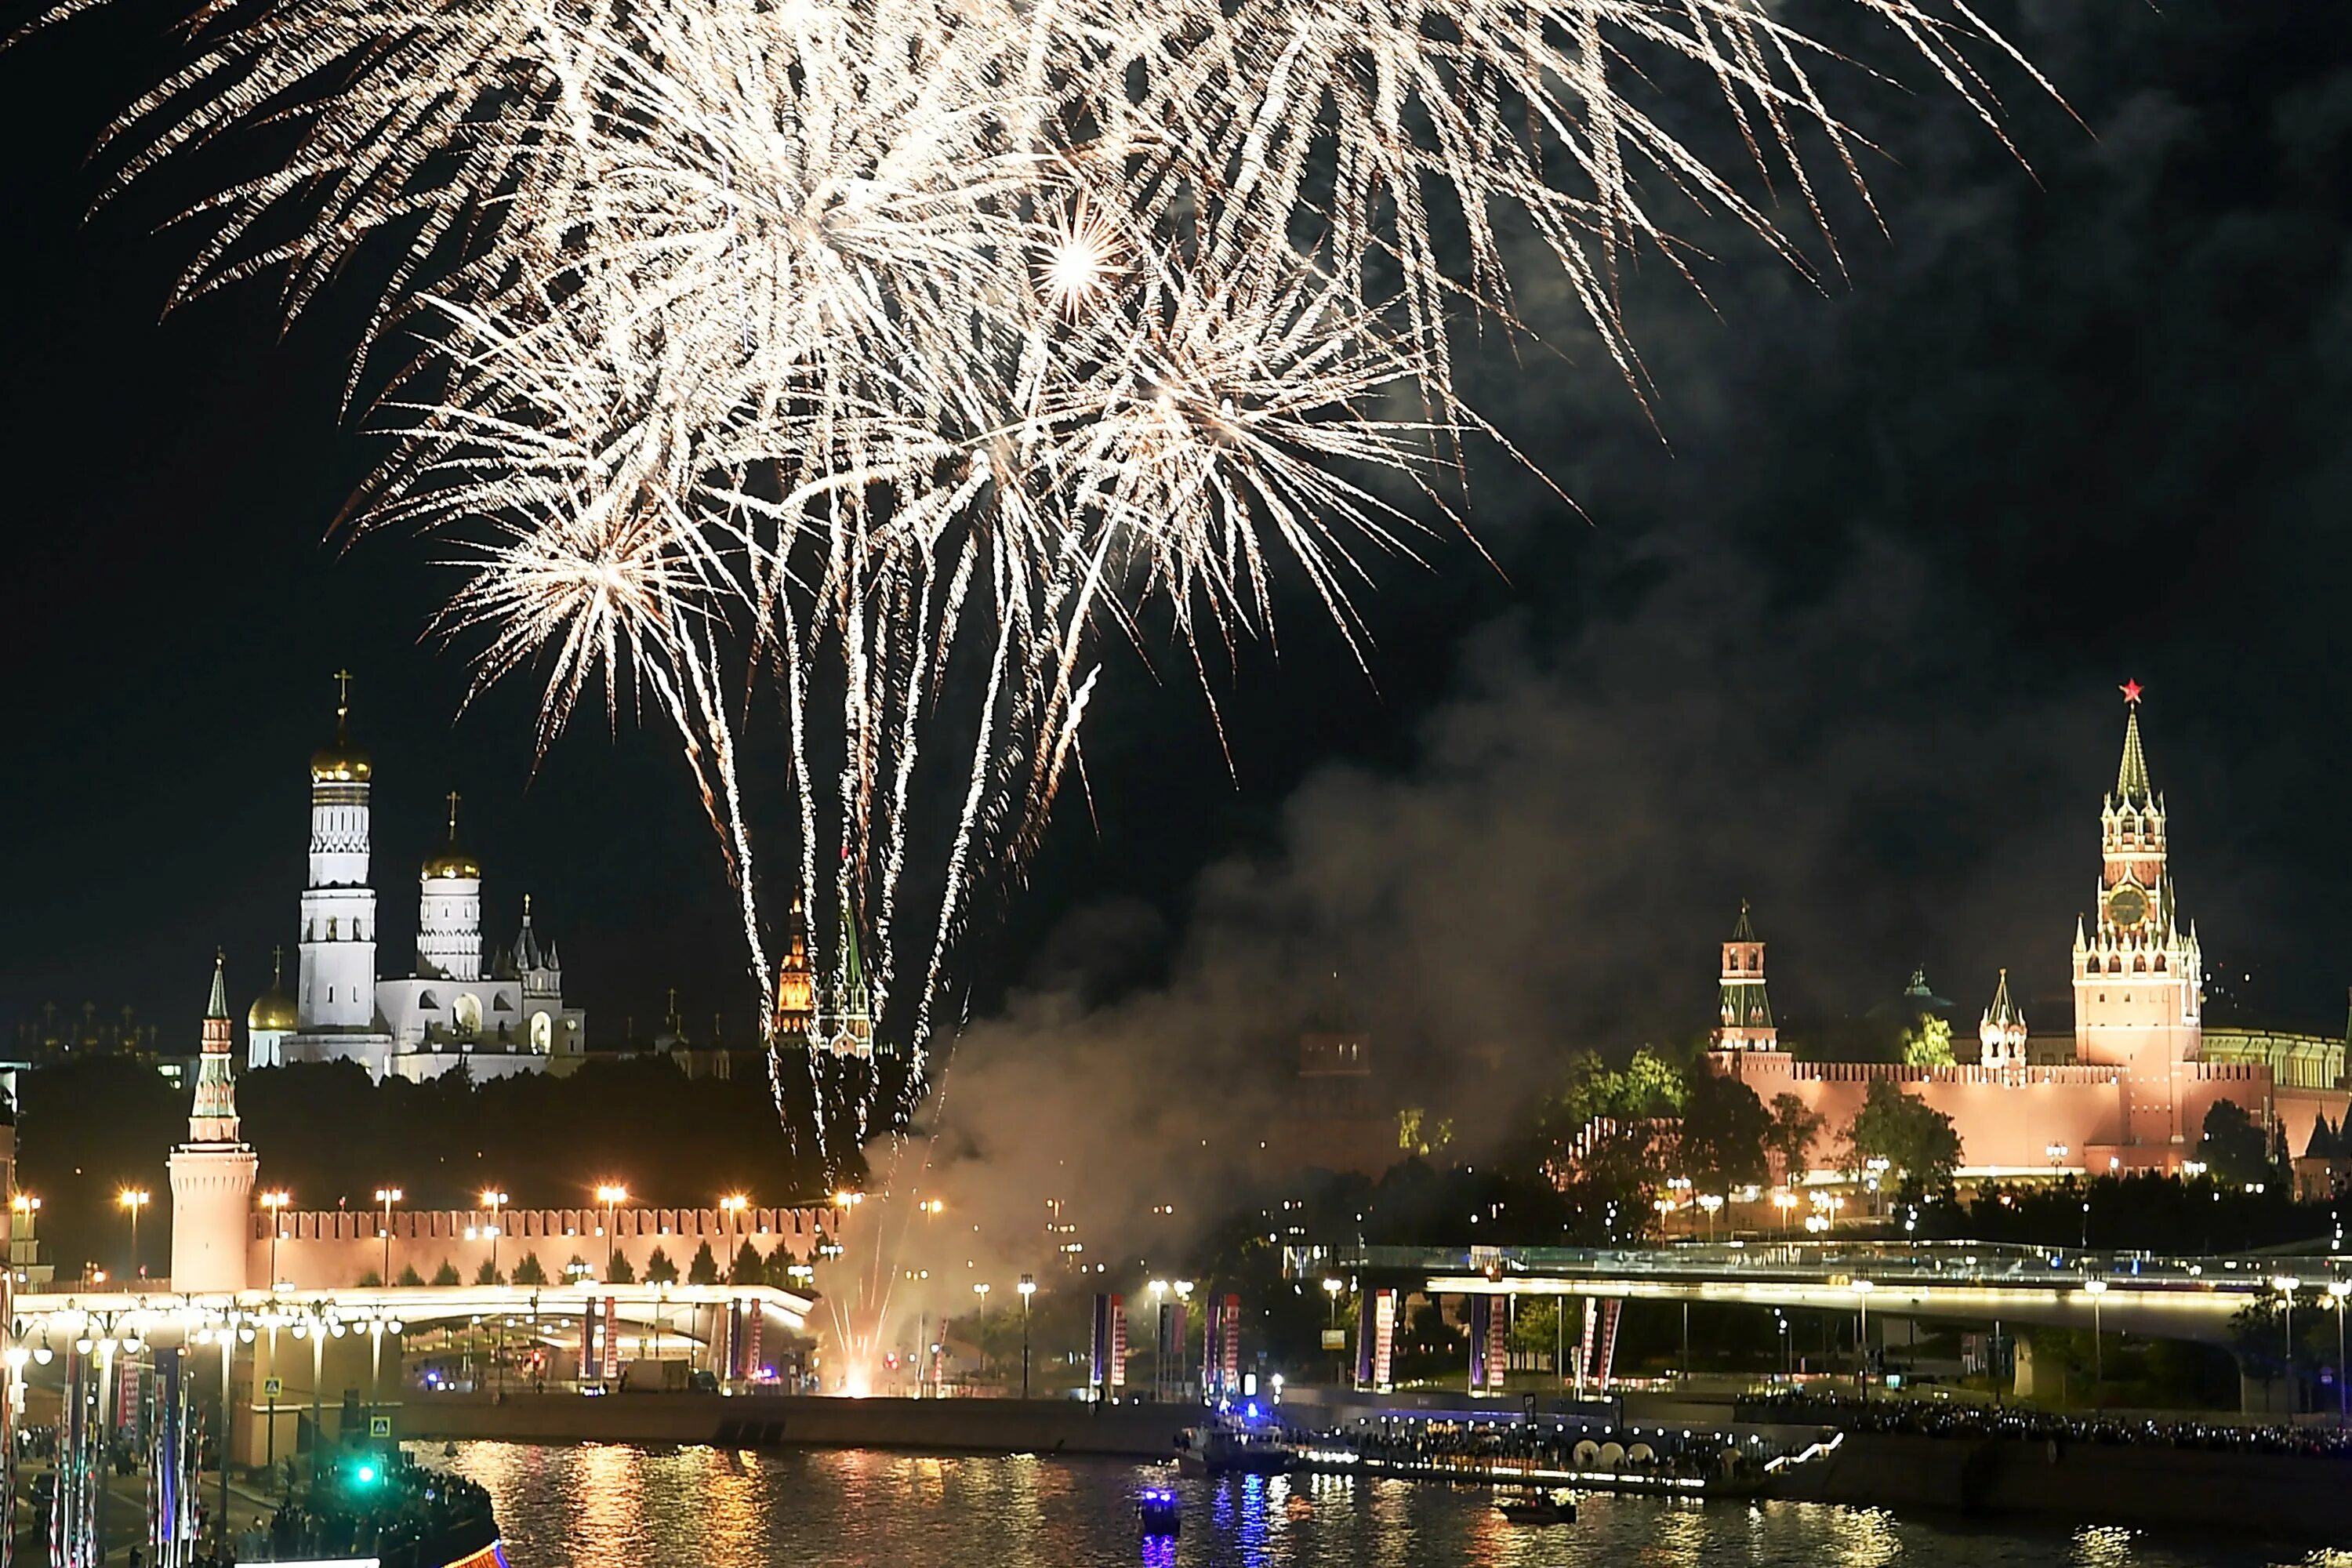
<point x="884" y="356"/>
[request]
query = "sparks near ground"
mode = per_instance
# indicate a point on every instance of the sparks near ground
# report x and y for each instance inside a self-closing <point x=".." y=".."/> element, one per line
<point x="779" y="361"/>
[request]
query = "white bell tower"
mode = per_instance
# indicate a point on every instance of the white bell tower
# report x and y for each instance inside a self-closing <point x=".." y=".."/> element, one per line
<point x="335" y="989"/>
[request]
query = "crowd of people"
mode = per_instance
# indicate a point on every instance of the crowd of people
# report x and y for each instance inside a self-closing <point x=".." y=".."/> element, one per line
<point x="393" y="1517"/>
<point x="1943" y="1418"/>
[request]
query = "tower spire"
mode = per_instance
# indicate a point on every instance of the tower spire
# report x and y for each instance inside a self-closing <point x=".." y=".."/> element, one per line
<point x="1746" y="1011"/>
<point x="213" y="1118"/>
<point x="218" y="1007"/>
<point x="2131" y="775"/>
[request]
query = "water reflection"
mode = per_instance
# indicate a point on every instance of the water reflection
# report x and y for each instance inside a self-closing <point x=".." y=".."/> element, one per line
<point x="607" y="1506"/>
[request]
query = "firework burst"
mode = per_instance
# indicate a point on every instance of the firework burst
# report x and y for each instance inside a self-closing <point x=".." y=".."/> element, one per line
<point x="791" y="358"/>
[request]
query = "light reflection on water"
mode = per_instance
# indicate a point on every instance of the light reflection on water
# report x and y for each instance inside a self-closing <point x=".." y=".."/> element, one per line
<point x="612" y="1506"/>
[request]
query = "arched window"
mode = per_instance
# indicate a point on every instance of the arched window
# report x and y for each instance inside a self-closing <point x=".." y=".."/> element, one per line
<point x="2159" y="964"/>
<point x="2139" y="963"/>
<point x="330" y="928"/>
<point x="2116" y="964"/>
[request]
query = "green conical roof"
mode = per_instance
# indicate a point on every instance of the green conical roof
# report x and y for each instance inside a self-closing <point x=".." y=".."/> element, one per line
<point x="2004" y="1012"/>
<point x="2131" y="776"/>
<point x="218" y="1007"/>
<point x="1746" y="930"/>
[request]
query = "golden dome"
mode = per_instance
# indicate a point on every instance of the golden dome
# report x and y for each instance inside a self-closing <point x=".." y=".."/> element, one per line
<point x="273" y="1009"/>
<point x="453" y="861"/>
<point x="275" y="1012"/>
<point x="341" y="762"/>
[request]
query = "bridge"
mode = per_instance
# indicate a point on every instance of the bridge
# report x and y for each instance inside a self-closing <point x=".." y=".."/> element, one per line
<point x="2158" y="1295"/>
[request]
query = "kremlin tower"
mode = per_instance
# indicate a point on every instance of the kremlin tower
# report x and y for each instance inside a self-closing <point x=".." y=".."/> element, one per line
<point x="334" y="993"/>
<point x="212" y="1172"/>
<point x="449" y="911"/>
<point x="795" y="985"/>
<point x="2138" y="975"/>
<point x="1746" y="1023"/>
<point x="2001" y="1035"/>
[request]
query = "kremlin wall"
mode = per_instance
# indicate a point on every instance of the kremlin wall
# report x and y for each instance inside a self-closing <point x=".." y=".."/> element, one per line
<point x="2135" y="1095"/>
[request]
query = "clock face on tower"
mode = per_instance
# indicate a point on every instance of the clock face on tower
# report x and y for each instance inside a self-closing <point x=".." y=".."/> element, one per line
<point x="2126" y="907"/>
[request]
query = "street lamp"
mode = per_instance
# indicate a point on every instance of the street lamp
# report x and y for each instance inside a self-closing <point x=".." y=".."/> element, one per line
<point x="134" y="1199"/>
<point x="980" y="1333"/>
<point x="1710" y="1202"/>
<point x="1028" y="1288"/>
<point x="2057" y="1151"/>
<point x="1786" y="1202"/>
<point x="1861" y="1289"/>
<point x="276" y="1202"/>
<point x="387" y="1196"/>
<point x="494" y="1200"/>
<point x="2340" y="1290"/>
<point x="2286" y="1285"/>
<point x="611" y="1195"/>
<point x="2095" y="1288"/>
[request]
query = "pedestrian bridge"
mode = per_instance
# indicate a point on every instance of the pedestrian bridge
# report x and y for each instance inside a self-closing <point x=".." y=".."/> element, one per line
<point x="2161" y="1295"/>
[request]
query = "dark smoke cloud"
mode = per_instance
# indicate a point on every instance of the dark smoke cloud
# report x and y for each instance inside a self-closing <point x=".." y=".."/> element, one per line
<point x="1837" y="633"/>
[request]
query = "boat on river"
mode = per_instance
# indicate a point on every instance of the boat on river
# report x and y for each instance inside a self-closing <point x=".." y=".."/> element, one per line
<point x="1539" y="1508"/>
<point x="1225" y="1446"/>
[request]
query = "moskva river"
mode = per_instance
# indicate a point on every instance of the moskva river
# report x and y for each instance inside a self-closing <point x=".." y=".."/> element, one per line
<point x="609" y="1506"/>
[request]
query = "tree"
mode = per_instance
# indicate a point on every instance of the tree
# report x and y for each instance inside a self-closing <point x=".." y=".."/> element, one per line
<point x="625" y="1272"/>
<point x="1723" y="1133"/>
<point x="747" y="1269"/>
<point x="1927" y="1044"/>
<point x="577" y="1269"/>
<point x="2233" y="1147"/>
<point x="371" y="1280"/>
<point x="1910" y="1135"/>
<point x="704" y="1269"/>
<point x="447" y="1274"/>
<point x="488" y="1274"/>
<point x="529" y="1272"/>
<point x="780" y="1264"/>
<point x="410" y="1277"/>
<point x="659" y="1270"/>
<point x="1790" y="1137"/>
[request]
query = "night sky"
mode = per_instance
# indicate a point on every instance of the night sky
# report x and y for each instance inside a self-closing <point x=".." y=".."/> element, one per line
<point x="1840" y="633"/>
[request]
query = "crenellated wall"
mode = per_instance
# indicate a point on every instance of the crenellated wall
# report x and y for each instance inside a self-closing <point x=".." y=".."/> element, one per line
<point x="332" y="1249"/>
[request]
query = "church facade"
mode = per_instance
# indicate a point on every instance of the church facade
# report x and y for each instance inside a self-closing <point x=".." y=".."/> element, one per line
<point x="2140" y="1078"/>
<point x="497" y="1017"/>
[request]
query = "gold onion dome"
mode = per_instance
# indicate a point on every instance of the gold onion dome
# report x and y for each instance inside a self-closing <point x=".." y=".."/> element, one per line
<point x="341" y="762"/>
<point x="273" y="1009"/>
<point x="452" y="861"/>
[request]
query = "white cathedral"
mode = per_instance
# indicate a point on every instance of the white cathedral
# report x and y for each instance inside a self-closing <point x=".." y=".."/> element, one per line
<point x="510" y="1020"/>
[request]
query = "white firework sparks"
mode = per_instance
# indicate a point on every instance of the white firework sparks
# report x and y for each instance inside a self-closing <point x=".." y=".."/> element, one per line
<point x="814" y="350"/>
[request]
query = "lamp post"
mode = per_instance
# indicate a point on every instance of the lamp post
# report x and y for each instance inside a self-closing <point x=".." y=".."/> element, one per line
<point x="1861" y="1289"/>
<point x="1028" y="1288"/>
<point x="611" y="1196"/>
<point x="1183" y="1343"/>
<point x="494" y="1200"/>
<point x="2056" y="1152"/>
<point x="2286" y="1285"/>
<point x="133" y="1199"/>
<point x="275" y="1202"/>
<point x="1710" y="1202"/>
<point x="980" y="1333"/>
<point x="1332" y="1287"/>
<point x="2095" y="1288"/>
<point x="388" y="1196"/>
<point x="1786" y="1202"/>
<point x="2339" y="1289"/>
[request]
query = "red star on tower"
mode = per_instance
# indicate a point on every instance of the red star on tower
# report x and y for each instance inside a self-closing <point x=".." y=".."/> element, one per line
<point x="2131" y="690"/>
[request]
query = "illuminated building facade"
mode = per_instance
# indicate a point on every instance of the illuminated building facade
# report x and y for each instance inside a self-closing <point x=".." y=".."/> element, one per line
<point x="510" y="1020"/>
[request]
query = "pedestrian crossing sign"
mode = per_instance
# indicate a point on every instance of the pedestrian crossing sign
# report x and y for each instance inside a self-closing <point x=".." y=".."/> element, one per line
<point x="379" y="1425"/>
<point x="271" y="1387"/>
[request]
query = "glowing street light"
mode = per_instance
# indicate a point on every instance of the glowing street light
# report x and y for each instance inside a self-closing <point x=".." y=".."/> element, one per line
<point x="387" y="1196"/>
<point x="1028" y="1288"/>
<point x="2095" y="1288"/>
<point x="2286" y="1285"/>
<point x="612" y="1196"/>
<point x="134" y="1199"/>
<point x="1861" y="1289"/>
<point x="733" y="1205"/>
<point x="2057" y="1153"/>
<point x="1710" y="1202"/>
<point x="1787" y="1203"/>
<point x="2338" y="1290"/>
<point x="494" y="1200"/>
<point x="275" y="1201"/>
